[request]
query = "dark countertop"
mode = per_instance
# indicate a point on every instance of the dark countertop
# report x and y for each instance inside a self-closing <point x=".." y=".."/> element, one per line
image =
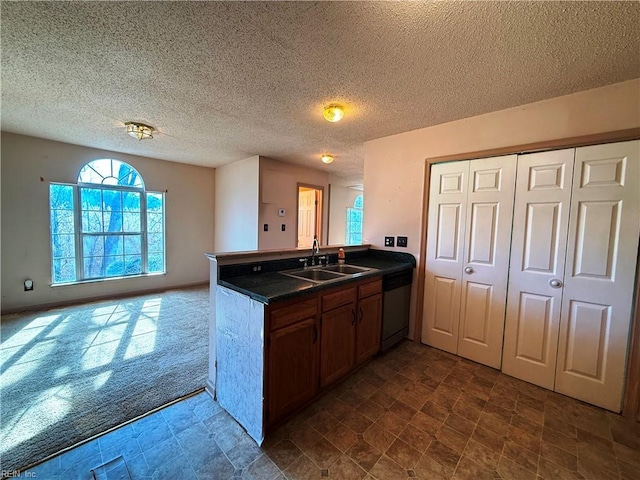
<point x="270" y="287"/>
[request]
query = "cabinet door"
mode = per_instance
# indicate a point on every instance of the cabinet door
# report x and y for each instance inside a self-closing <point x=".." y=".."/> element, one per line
<point x="337" y="344"/>
<point x="446" y="224"/>
<point x="540" y="222"/>
<point x="602" y="252"/>
<point x="487" y="237"/>
<point x="368" y="327"/>
<point x="293" y="367"/>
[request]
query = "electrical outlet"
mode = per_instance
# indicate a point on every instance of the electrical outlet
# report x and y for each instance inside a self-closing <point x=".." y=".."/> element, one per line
<point x="28" y="285"/>
<point x="388" y="241"/>
<point x="266" y="227"/>
<point x="402" y="242"/>
<point x="284" y="227"/>
<point x="257" y="268"/>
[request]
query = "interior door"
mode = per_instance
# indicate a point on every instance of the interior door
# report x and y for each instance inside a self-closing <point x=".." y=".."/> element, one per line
<point x="486" y="258"/>
<point x="306" y="216"/>
<point x="598" y="287"/>
<point x="445" y="234"/>
<point x="540" y="223"/>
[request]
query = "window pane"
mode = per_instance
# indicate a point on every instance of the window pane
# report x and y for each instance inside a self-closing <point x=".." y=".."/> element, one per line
<point x="131" y="201"/>
<point x="91" y="199"/>
<point x="113" y="245"/>
<point x="61" y="197"/>
<point x="63" y="246"/>
<point x="64" y="270"/>
<point x="114" y="266"/>
<point x="131" y="222"/>
<point x="156" y="263"/>
<point x="62" y="221"/>
<point x="112" y="221"/>
<point x="112" y="200"/>
<point x="92" y="222"/>
<point x="93" y="267"/>
<point x="155" y="202"/>
<point x="156" y="243"/>
<point x="133" y="244"/>
<point x="154" y="222"/>
<point x="132" y="264"/>
<point x="92" y="246"/>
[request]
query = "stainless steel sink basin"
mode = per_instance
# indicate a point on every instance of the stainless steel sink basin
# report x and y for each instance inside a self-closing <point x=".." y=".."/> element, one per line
<point x="315" y="275"/>
<point x="348" y="269"/>
<point x="326" y="274"/>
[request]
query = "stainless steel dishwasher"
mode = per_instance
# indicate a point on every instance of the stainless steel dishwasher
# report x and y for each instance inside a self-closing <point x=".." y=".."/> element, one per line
<point x="395" y="311"/>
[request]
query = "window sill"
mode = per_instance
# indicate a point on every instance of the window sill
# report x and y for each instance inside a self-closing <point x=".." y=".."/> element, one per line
<point x="108" y="279"/>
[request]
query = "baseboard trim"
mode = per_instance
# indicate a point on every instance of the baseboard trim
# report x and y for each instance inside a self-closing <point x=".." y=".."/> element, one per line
<point x="80" y="301"/>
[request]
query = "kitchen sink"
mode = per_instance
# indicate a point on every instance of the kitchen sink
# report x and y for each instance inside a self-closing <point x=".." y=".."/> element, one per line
<point x="326" y="274"/>
<point x="348" y="269"/>
<point x="315" y="275"/>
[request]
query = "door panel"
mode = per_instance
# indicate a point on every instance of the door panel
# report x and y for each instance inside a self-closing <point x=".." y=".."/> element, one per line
<point x="446" y="223"/>
<point x="598" y="288"/>
<point x="540" y="222"/>
<point x="486" y="258"/>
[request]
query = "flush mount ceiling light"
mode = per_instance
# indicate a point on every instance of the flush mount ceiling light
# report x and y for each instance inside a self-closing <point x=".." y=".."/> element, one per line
<point x="326" y="158"/>
<point x="333" y="112"/>
<point x="139" y="130"/>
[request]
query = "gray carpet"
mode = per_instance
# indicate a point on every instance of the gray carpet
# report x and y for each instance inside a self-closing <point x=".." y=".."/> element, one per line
<point x="70" y="373"/>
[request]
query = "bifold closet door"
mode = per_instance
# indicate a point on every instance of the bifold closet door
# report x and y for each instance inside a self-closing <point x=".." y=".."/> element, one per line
<point x="469" y="227"/>
<point x="540" y="223"/>
<point x="602" y="253"/>
<point x="445" y="232"/>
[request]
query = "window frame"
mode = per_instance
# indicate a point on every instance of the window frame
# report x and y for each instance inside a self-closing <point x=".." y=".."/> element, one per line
<point x="79" y="235"/>
<point x="358" y="200"/>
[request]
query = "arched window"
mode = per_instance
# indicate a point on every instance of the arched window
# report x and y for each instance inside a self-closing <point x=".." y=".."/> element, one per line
<point x="106" y="225"/>
<point x="354" y="222"/>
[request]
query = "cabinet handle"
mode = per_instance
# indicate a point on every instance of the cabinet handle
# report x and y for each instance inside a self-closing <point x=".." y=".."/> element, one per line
<point x="361" y="314"/>
<point x="555" y="283"/>
<point x="353" y="315"/>
<point x="315" y="334"/>
<point x="468" y="270"/>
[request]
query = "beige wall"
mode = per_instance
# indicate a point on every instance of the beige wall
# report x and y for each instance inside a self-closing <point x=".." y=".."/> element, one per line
<point x="341" y="199"/>
<point x="394" y="166"/>
<point x="25" y="220"/>
<point x="236" y="212"/>
<point x="286" y="177"/>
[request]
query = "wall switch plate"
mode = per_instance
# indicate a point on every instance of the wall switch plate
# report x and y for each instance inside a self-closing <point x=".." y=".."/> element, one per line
<point x="281" y="212"/>
<point x="266" y="227"/>
<point x="402" y="241"/>
<point x="283" y="227"/>
<point x="388" y="241"/>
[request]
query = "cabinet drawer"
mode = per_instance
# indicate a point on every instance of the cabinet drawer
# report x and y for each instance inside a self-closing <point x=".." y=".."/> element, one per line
<point x="281" y="317"/>
<point x="371" y="288"/>
<point x="338" y="299"/>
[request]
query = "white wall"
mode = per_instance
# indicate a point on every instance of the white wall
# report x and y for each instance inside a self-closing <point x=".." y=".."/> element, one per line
<point x="286" y="177"/>
<point x="236" y="206"/>
<point x="25" y="220"/>
<point x="394" y="166"/>
<point x="341" y="199"/>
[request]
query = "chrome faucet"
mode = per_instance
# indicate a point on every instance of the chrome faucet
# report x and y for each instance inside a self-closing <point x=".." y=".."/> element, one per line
<point x="315" y="250"/>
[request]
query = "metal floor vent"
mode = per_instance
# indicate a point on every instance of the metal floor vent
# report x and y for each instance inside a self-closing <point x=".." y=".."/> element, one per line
<point x="115" y="469"/>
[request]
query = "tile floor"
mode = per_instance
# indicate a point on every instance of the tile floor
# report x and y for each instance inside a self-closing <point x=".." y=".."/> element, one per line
<point x="413" y="413"/>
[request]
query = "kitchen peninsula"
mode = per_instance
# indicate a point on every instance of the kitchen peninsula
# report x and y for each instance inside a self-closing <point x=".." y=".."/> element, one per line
<point x="281" y="333"/>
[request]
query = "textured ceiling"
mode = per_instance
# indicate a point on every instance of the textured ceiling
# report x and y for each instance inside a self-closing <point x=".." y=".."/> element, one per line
<point x="225" y="81"/>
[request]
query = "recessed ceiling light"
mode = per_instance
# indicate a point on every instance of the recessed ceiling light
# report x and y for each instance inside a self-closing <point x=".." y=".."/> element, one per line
<point x="139" y="130"/>
<point x="333" y="112"/>
<point x="326" y="158"/>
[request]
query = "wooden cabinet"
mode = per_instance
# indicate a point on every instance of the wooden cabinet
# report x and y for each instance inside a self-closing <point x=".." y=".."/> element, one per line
<point x="368" y="326"/>
<point x="338" y="335"/>
<point x="292" y="358"/>
<point x="315" y="341"/>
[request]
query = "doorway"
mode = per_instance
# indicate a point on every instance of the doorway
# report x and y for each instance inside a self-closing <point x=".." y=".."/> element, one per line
<point x="309" y="214"/>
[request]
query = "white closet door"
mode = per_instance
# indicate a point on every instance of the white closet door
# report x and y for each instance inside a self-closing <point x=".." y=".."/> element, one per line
<point x="446" y="223"/>
<point x="540" y="223"/>
<point x="599" y="279"/>
<point x="486" y="258"/>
